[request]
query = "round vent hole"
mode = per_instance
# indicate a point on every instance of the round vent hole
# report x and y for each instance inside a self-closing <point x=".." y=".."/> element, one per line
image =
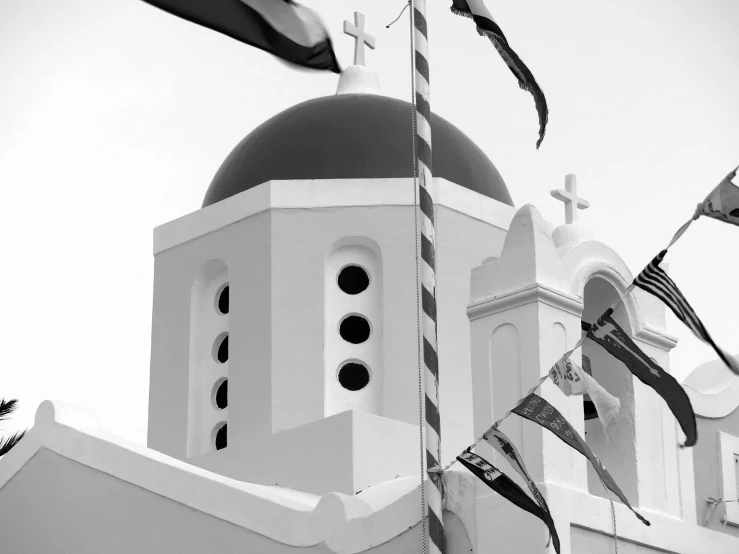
<point x="353" y="279"/>
<point x="354" y="329"/>
<point x="222" y="395"/>
<point x="222" y="350"/>
<point x="223" y="300"/>
<point x="354" y="376"/>
<point x="222" y="437"/>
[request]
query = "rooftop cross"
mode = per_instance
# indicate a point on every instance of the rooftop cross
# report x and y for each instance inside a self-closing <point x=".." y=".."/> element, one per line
<point x="570" y="198"/>
<point x="362" y="38"/>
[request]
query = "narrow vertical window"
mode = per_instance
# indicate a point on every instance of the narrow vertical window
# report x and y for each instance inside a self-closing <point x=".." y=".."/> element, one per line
<point x="353" y="327"/>
<point x="209" y="360"/>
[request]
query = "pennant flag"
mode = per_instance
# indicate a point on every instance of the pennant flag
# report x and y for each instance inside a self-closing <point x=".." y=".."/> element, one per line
<point x="486" y="26"/>
<point x="283" y="28"/>
<point x="723" y="202"/>
<point x="607" y="333"/>
<point x="503" y="445"/>
<point x="573" y="380"/>
<point x="655" y="281"/>
<point x="538" y="410"/>
<point x="505" y="487"/>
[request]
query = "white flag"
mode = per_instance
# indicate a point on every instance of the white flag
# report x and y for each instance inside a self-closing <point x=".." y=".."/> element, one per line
<point x="572" y="380"/>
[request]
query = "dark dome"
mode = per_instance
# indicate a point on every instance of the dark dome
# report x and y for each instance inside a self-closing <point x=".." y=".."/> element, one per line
<point x="350" y="136"/>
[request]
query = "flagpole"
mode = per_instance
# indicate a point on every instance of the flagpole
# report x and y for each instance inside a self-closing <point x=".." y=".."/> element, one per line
<point x="422" y="120"/>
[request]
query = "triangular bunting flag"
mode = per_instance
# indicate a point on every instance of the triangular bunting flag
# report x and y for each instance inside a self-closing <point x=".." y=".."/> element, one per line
<point x="541" y="412"/>
<point x="723" y="202"/>
<point x="573" y="380"/>
<point x="503" y="445"/>
<point x="504" y="486"/>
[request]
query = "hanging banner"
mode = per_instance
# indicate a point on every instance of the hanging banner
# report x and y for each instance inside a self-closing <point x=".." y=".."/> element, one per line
<point x="538" y="410"/>
<point x="573" y="380"/>
<point x="607" y="333"/>
<point x="505" y="487"/>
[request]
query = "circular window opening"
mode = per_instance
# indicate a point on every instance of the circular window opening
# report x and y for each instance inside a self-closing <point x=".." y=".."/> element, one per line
<point x="220" y="348"/>
<point x="354" y="329"/>
<point x="222" y="300"/>
<point x="353" y="279"/>
<point x="220" y="438"/>
<point x="354" y="376"/>
<point x="220" y="394"/>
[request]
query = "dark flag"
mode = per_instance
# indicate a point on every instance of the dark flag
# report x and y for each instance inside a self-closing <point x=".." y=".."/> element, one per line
<point x="505" y="487"/>
<point x="486" y="26"/>
<point x="538" y="410"/>
<point x="288" y="30"/>
<point x="502" y="444"/>
<point x="607" y="333"/>
<point x="654" y="280"/>
<point x="723" y="202"/>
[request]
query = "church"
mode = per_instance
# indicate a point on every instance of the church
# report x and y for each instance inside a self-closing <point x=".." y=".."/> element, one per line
<point x="284" y="379"/>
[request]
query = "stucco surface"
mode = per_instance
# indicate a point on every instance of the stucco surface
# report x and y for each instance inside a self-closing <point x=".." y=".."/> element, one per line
<point x="708" y="475"/>
<point x="586" y="541"/>
<point x="277" y="272"/>
<point x="57" y="505"/>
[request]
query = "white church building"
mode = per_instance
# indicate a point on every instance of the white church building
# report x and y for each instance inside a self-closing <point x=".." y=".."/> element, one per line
<point x="283" y="404"/>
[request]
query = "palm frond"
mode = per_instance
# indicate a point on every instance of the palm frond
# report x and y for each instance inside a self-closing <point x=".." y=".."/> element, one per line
<point x="7" y="444"/>
<point x="7" y="407"/>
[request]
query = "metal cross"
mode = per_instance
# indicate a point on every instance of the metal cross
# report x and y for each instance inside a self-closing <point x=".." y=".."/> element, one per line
<point x="570" y="198"/>
<point x="362" y="38"/>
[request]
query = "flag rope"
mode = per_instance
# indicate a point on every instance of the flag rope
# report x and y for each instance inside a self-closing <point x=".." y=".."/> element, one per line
<point x="427" y="322"/>
<point x="613" y="514"/>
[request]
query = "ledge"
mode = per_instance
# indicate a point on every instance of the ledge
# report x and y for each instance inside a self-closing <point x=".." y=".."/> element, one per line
<point x="346" y="524"/>
<point x="326" y="193"/>
<point x="535" y="292"/>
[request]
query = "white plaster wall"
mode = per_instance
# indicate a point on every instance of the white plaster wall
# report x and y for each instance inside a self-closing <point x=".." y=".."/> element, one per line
<point x="276" y="258"/>
<point x="585" y="541"/>
<point x="56" y="505"/>
<point x="245" y="249"/>
<point x="462" y="244"/>
<point x="466" y="241"/>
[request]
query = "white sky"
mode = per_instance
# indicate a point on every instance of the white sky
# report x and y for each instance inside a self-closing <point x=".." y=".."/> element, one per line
<point x="114" y="117"/>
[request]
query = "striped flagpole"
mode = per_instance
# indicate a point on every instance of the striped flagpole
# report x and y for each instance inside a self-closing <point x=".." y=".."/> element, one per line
<point x="428" y="278"/>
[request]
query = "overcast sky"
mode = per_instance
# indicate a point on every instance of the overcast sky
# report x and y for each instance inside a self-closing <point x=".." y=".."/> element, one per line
<point x="114" y="117"/>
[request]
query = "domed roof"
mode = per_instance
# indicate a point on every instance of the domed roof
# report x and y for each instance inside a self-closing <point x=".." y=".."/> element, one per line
<point x="350" y="136"/>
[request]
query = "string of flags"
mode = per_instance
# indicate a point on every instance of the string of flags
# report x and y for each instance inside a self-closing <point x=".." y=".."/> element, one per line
<point x="721" y="204"/>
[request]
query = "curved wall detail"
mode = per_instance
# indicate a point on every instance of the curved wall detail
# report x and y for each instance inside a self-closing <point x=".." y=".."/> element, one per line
<point x="353" y="372"/>
<point x="209" y="328"/>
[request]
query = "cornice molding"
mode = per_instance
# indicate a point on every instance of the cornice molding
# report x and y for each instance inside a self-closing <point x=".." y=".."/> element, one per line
<point x="534" y="292"/>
